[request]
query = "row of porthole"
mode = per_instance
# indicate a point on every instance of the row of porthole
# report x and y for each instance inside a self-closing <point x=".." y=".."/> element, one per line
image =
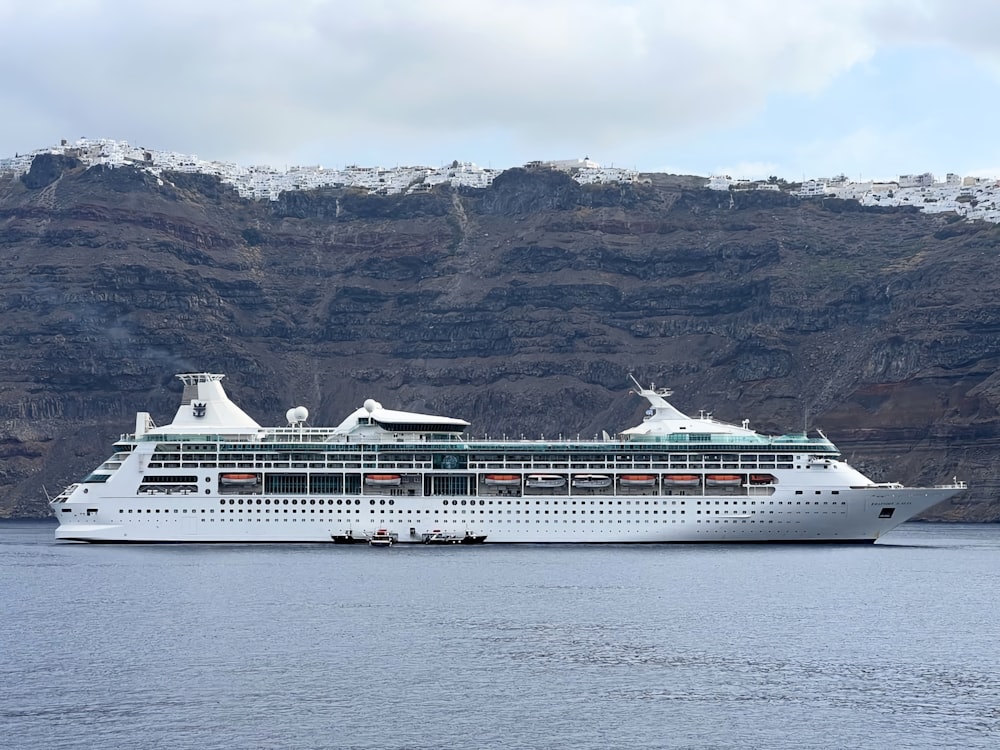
<point x="258" y="501"/>
<point x="233" y="501"/>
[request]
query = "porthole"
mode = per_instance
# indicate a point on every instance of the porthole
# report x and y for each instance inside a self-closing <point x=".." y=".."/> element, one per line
<point x="241" y="501"/>
<point x="371" y="502"/>
<point x="222" y="502"/>
<point x="380" y="502"/>
<point x="339" y="501"/>
<point x="232" y="502"/>
<point x="285" y="501"/>
<point x="392" y="502"/>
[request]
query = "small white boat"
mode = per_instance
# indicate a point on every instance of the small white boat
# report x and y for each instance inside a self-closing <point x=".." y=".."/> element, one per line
<point x="545" y="481"/>
<point x="382" y="538"/>
<point x="440" y="537"/>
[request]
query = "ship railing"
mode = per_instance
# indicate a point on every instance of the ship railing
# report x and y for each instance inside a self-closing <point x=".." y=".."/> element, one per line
<point x="955" y="484"/>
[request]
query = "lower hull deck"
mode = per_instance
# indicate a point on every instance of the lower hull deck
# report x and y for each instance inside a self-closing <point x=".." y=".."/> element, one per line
<point x="848" y="515"/>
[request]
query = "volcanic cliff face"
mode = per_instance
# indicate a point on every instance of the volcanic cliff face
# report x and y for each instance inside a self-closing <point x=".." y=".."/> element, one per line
<point x="521" y="308"/>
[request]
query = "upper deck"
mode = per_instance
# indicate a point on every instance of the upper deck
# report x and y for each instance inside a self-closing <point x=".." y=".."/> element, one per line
<point x="207" y="417"/>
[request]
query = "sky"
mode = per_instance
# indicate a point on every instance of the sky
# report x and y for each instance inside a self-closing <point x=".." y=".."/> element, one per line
<point x="750" y="88"/>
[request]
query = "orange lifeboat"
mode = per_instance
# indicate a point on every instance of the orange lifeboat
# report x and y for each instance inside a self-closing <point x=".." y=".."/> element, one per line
<point x="722" y="480"/>
<point x="682" y="480"/>
<point x="382" y="480"/>
<point x="503" y="480"/>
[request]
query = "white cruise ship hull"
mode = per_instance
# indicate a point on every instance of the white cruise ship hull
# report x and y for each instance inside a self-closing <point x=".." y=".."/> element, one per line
<point x="857" y="515"/>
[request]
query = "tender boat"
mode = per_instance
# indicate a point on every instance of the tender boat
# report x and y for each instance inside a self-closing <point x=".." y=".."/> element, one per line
<point x="591" y="481"/>
<point x="382" y="538"/>
<point x="545" y="481"/>
<point x="439" y="537"/>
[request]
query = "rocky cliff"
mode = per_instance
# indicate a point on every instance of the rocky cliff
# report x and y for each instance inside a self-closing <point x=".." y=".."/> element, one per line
<point x="521" y="308"/>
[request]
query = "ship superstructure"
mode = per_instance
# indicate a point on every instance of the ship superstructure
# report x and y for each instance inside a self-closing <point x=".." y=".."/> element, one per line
<point x="215" y="475"/>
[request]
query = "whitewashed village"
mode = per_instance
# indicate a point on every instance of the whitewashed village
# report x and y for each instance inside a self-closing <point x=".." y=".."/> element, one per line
<point x="975" y="198"/>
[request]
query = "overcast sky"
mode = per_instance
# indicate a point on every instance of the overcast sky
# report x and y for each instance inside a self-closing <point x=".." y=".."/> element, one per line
<point x="750" y="88"/>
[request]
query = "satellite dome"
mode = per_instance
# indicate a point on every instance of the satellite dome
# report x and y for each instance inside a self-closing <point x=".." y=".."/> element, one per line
<point x="297" y="414"/>
<point x="371" y="405"/>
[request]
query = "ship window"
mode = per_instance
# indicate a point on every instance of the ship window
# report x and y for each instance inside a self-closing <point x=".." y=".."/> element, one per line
<point x="886" y="512"/>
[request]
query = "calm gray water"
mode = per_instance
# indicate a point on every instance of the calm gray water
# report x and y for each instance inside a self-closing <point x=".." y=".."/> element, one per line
<point x="895" y="645"/>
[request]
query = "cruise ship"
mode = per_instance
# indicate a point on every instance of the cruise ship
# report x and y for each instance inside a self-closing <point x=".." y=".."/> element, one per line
<point x="390" y="477"/>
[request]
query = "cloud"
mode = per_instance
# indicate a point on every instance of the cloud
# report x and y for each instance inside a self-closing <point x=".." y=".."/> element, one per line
<point x="400" y="82"/>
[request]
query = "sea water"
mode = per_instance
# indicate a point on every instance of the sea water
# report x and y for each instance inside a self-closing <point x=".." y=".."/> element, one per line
<point x="893" y="645"/>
